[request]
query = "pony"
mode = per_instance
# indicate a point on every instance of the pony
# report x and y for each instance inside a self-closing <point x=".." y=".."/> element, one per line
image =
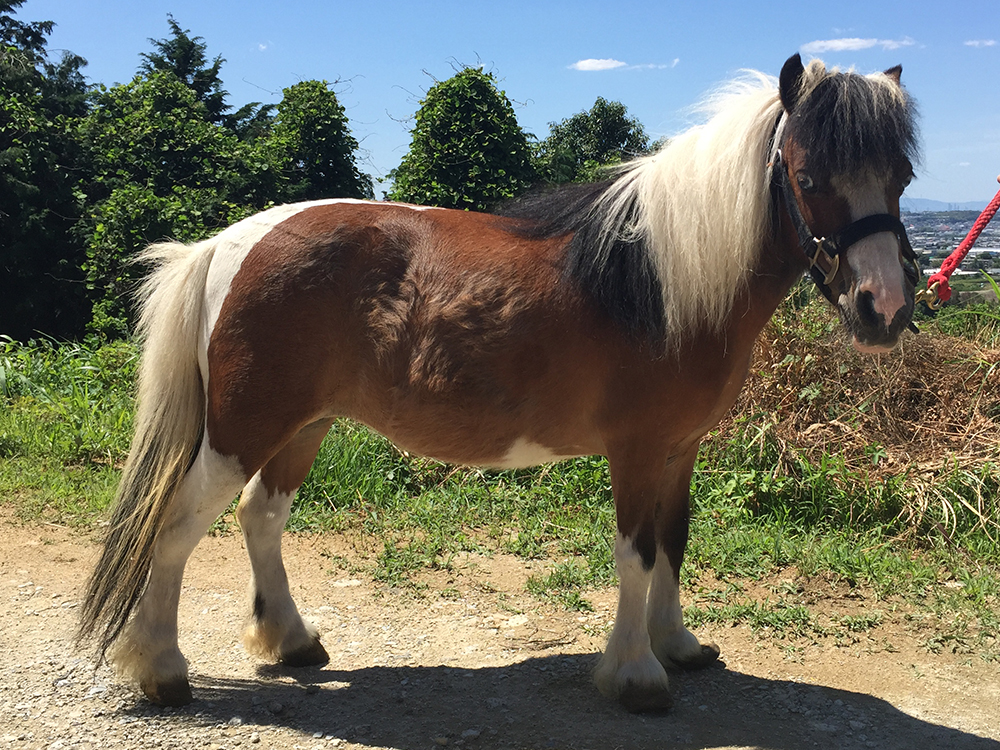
<point x="615" y="318"/>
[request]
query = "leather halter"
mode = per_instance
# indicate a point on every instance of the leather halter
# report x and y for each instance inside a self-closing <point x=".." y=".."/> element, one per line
<point x="824" y="253"/>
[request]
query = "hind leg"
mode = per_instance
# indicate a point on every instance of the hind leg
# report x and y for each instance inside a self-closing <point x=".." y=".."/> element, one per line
<point x="674" y="645"/>
<point x="147" y="651"/>
<point x="275" y="630"/>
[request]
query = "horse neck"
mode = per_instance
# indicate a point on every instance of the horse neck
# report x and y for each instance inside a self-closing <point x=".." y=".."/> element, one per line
<point x="780" y="265"/>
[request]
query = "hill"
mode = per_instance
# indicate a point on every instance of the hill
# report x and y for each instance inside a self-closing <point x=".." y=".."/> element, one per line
<point x="918" y="205"/>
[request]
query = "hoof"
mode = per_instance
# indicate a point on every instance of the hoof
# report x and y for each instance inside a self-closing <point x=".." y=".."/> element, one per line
<point x="310" y="655"/>
<point x="645" y="700"/>
<point x="176" y="692"/>
<point x="708" y="655"/>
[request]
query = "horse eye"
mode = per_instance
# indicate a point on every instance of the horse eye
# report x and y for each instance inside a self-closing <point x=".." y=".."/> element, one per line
<point x="806" y="184"/>
<point x="905" y="182"/>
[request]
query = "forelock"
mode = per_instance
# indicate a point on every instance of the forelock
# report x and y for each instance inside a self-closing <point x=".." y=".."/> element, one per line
<point x="848" y="122"/>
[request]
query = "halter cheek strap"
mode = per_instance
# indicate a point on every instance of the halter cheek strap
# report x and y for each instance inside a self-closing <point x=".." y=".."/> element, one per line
<point x="824" y="253"/>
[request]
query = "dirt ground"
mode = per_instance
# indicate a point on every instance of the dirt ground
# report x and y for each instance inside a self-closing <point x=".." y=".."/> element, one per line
<point x="471" y="662"/>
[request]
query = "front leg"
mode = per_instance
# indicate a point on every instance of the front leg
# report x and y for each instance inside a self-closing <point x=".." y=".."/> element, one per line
<point x="629" y="671"/>
<point x="675" y="646"/>
<point x="652" y="507"/>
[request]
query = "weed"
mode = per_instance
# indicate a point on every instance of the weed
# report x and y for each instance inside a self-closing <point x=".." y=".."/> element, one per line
<point x="863" y="622"/>
<point x="564" y="584"/>
<point x="780" y="618"/>
<point x="70" y="402"/>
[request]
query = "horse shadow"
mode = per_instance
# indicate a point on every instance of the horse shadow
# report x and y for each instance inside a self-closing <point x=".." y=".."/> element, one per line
<point x="549" y="702"/>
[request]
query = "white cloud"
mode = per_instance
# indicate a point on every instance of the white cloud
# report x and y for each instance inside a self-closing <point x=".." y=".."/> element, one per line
<point x="896" y="43"/>
<point x="591" y="64"/>
<point x="849" y="44"/>
<point x="981" y="43"/>
<point x="610" y="64"/>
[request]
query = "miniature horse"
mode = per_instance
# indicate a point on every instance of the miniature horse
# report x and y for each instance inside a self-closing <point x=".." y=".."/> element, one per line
<point x="615" y="319"/>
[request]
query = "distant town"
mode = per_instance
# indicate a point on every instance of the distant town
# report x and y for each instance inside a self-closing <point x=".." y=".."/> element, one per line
<point x="935" y="234"/>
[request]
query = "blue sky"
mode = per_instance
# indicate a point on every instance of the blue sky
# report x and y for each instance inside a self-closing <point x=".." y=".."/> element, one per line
<point x="660" y="57"/>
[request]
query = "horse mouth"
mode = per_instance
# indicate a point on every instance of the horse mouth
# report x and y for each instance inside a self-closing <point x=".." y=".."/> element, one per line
<point x="868" y="348"/>
<point x="869" y="333"/>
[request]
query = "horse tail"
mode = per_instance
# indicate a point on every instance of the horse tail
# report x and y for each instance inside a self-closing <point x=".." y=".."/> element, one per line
<point x="169" y="424"/>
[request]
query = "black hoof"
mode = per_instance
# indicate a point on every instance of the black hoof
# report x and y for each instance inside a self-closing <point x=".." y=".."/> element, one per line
<point x="645" y="700"/>
<point x="176" y="692"/>
<point x="310" y="655"/>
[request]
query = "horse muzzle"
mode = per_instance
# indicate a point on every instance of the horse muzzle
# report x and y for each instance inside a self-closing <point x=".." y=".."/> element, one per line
<point x="871" y="332"/>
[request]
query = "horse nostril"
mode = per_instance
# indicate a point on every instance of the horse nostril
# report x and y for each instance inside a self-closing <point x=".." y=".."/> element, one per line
<point x="865" y="305"/>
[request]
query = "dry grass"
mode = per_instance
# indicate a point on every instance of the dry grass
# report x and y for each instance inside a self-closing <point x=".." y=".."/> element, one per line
<point x="926" y="410"/>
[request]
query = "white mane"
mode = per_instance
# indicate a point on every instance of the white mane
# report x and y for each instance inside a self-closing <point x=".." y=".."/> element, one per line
<point x="703" y="204"/>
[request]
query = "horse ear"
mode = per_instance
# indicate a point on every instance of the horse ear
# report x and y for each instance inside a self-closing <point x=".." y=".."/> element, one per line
<point x="895" y="72"/>
<point x="790" y="81"/>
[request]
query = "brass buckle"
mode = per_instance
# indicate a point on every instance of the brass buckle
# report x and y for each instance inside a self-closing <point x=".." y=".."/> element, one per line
<point x="929" y="296"/>
<point x="833" y="261"/>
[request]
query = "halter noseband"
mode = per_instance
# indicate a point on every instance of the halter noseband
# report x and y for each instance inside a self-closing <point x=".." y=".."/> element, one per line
<point x="824" y="253"/>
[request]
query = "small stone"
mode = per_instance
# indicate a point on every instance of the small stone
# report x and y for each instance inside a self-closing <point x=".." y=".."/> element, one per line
<point x="275" y="708"/>
<point x="470" y="734"/>
<point x="857" y="726"/>
<point x="254" y="738"/>
<point x="442" y="741"/>
<point x="236" y="721"/>
<point x="312" y="689"/>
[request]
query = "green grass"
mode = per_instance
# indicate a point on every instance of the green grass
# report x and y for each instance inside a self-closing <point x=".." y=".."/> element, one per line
<point x="39" y="488"/>
<point x="423" y="512"/>
<point x="65" y="422"/>
<point x="779" y="616"/>
<point x="979" y="322"/>
<point x="68" y="402"/>
<point x="758" y="507"/>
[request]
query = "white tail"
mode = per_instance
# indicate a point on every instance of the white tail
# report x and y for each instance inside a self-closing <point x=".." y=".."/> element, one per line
<point x="169" y="424"/>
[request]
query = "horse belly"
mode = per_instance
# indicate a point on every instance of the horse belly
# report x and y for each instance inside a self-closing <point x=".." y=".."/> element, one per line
<point x="476" y="433"/>
<point x="523" y="453"/>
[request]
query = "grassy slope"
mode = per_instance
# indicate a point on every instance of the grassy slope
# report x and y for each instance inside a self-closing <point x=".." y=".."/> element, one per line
<point x="825" y="475"/>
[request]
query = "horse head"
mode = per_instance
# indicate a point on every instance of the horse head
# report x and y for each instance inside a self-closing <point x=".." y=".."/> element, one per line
<point x="847" y="145"/>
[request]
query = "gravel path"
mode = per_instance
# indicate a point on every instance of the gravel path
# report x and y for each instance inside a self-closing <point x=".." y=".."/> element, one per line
<point x="474" y="662"/>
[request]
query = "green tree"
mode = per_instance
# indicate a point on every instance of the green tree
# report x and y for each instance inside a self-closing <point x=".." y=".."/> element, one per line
<point x="160" y="169"/>
<point x="185" y="57"/>
<point x="41" y="283"/>
<point x="314" y="147"/>
<point x="579" y="146"/>
<point x="467" y="149"/>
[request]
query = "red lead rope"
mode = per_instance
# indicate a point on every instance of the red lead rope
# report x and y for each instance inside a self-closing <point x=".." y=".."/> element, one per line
<point x="938" y="290"/>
